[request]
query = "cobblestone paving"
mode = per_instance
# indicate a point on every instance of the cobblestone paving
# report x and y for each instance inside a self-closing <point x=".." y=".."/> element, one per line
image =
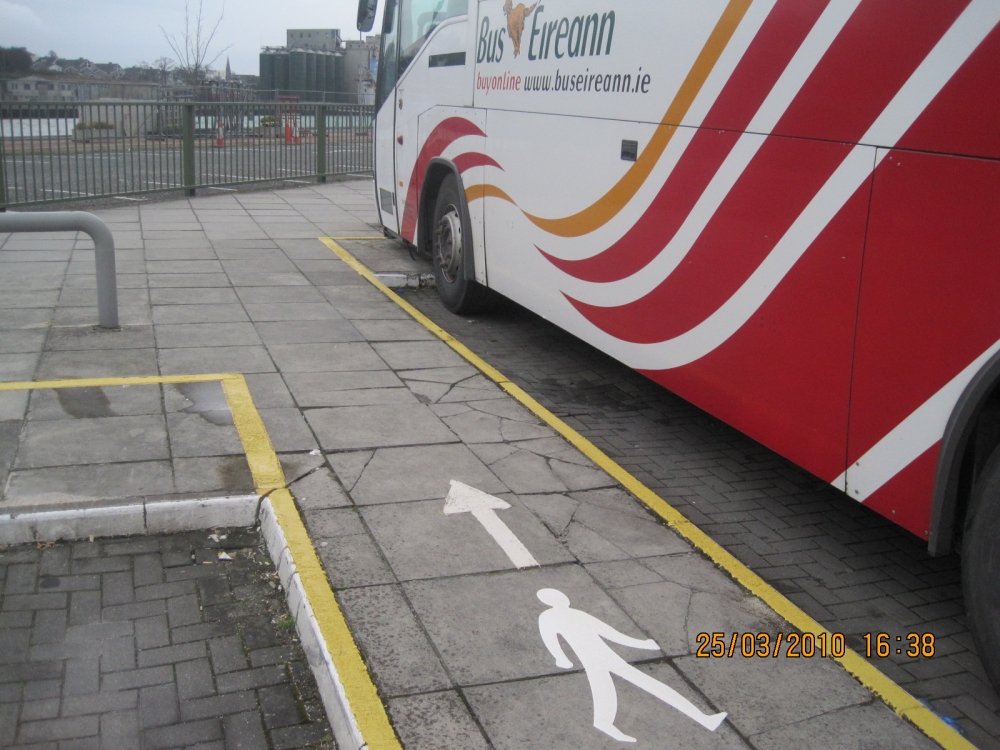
<point x="149" y="643"/>
<point x="849" y="568"/>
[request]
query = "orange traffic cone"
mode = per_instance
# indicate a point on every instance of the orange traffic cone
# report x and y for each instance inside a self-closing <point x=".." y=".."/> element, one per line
<point x="220" y="138"/>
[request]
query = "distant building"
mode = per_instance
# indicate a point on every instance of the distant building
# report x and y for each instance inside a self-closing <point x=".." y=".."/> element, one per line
<point x="64" y="88"/>
<point x="319" y="65"/>
<point x="39" y="89"/>
<point x="79" y="67"/>
<point x="325" y="40"/>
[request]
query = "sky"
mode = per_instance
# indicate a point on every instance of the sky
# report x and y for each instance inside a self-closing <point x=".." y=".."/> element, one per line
<point x="127" y="32"/>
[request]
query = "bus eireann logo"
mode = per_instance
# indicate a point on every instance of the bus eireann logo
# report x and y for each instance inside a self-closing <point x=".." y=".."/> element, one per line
<point x="515" y="22"/>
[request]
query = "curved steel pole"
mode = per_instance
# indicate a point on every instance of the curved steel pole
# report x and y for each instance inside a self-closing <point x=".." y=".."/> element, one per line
<point x="104" y="249"/>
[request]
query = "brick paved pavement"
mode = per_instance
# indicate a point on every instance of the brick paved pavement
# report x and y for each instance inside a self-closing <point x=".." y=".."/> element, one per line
<point x="148" y="643"/>
<point x="846" y="566"/>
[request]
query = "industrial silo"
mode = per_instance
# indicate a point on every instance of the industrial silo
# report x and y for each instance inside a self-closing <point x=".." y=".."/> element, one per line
<point x="332" y="74"/>
<point x="310" y="76"/>
<point x="266" y="83"/>
<point x="297" y="72"/>
<point x="320" y="76"/>
<point x="342" y="83"/>
<point x="281" y="72"/>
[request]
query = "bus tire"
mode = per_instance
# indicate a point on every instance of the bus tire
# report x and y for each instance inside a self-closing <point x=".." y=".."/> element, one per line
<point x="451" y="247"/>
<point x="981" y="566"/>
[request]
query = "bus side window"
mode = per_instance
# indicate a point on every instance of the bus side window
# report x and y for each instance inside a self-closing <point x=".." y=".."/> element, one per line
<point x="387" y="61"/>
<point x="418" y="19"/>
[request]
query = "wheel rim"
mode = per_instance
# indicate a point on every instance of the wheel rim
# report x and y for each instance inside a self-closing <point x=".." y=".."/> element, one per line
<point x="448" y="244"/>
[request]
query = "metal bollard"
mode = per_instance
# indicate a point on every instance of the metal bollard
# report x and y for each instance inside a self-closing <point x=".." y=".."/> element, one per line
<point x="104" y="250"/>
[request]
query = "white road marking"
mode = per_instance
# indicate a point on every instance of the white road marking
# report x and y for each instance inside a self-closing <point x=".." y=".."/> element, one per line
<point x="586" y="635"/>
<point x="465" y="499"/>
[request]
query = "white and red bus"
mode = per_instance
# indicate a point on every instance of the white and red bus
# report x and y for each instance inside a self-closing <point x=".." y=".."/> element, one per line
<point x="785" y="211"/>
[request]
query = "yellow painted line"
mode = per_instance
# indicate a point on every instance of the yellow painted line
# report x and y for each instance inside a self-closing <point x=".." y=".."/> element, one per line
<point x="103" y="382"/>
<point x="892" y="694"/>
<point x="269" y="479"/>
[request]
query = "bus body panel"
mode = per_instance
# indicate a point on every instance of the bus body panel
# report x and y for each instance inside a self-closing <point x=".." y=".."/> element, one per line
<point x="928" y="312"/>
<point x="777" y="252"/>
<point x="421" y="87"/>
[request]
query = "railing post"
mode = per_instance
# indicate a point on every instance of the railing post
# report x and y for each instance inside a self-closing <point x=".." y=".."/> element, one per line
<point x="188" y="148"/>
<point x="3" y="170"/>
<point x="321" y="142"/>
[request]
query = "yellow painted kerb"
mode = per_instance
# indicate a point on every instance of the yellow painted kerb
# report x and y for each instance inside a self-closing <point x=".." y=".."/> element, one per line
<point x="894" y="696"/>
<point x="269" y="480"/>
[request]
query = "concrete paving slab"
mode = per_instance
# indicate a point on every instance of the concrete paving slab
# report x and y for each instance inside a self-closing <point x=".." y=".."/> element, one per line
<point x="229" y="475"/>
<point x="263" y="295"/>
<point x="21" y="366"/>
<point x="394" y="475"/>
<point x="398" y="651"/>
<point x="13" y="405"/>
<point x="200" y="435"/>
<point x="436" y="721"/>
<point x="166" y="314"/>
<point x="288" y="429"/>
<point x="102" y="440"/>
<point x="349" y="559"/>
<point x="291" y="311"/>
<point x="188" y="296"/>
<point x="196" y="360"/>
<point x="96" y="401"/>
<point x="419" y="541"/>
<point x="25" y="341"/>
<point x="87" y="484"/>
<point x="411" y="355"/>
<point x="334" y="357"/>
<point x="268" y="390"/>
<point x="191" y="335"/>
<point x="308" y="332"/>
<point x="353" y="427"/>
<point x="519" y="715"/>
<point x="485" y="627"/>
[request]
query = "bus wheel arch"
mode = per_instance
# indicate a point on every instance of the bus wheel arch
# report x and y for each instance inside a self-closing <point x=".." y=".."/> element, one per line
<point x="970" y="437"/>
<point x="966" y="509"/>
<point x="445" y="221"/>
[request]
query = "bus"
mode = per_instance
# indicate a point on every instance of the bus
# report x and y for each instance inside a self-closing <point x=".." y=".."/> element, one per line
<point x="785" y="211"/>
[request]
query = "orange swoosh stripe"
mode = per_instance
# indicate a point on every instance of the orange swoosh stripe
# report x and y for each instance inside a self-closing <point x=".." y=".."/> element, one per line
<point x="606" y="208"/>
<point x="477" y="192"/>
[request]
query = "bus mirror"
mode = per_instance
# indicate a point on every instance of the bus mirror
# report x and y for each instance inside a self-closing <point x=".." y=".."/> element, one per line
<point x="366" y="14"/>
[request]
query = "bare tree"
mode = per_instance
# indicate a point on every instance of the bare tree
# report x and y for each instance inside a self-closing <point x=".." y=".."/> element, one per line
<point x="192" y="49"/>
<point x="163" y="64"/>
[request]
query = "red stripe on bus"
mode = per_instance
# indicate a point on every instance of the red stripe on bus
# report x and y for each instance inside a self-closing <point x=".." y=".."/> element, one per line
<point x="447" y="132"/>
<point x="763" y="63"/>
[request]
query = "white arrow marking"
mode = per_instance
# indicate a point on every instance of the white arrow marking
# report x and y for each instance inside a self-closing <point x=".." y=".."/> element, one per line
<point x="465" y="499"/>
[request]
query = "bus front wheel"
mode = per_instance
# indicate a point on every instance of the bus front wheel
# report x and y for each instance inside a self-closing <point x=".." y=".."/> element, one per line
<point x="451" y="242"/>
<point x="981" y="566"/>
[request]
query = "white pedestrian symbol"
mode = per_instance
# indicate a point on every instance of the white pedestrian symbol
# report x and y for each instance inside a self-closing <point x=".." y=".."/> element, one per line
<point x="585" y="634"/>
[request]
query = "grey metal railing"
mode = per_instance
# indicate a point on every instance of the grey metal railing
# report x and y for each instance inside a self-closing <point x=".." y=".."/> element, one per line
<point x="104" y="250"/>
<point x="51" y="152"/>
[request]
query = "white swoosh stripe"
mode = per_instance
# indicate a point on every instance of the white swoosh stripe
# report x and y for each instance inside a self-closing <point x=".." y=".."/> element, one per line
<point x="803" y="63"/>
<point x="570" y="248"/>
<point x="934" y="72"/>
<point x="911" y="438"/>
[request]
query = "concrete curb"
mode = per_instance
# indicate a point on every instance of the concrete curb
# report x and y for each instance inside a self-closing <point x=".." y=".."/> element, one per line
<point x="406" y="281"/>
<point x="331" y="689"/>
<point x="139" y="519"/>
